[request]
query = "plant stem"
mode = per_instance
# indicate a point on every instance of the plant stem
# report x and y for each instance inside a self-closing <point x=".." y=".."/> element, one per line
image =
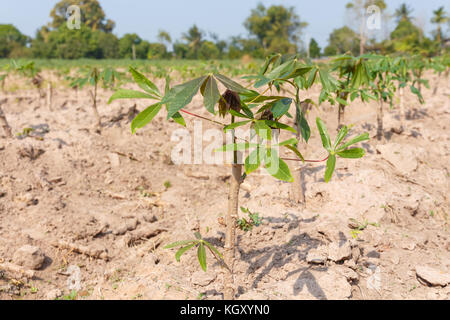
<point x="312" y="161"/>
<point x="4" y="122"/>
<point x="380" y="119"/>
<point x="200" y="117"/>
<point x="231" y="218"/>
<point x="49" y="96"/>
<point x="94" y="107"/>
<point x="402" y="108"/>
<point x="297" y="193"/>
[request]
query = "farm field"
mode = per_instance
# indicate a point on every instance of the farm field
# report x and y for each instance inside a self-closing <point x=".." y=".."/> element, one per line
<point x="109" y="202"/>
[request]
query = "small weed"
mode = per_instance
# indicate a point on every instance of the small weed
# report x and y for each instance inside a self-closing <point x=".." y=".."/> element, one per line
<point x="167" y="184"/>
<point x="253" y="221"/>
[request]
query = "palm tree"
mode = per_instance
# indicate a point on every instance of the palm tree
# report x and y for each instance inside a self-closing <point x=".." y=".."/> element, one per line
<point x="164" y="37"/>
<point x="403" y="12"/>
<point x="193" y="38"/>
<point x="440" y="17"/>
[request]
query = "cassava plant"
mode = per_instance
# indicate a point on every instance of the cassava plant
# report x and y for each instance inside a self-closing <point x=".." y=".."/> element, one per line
<point x="93" y="77"/>
<point x="353" y="82"/>
<point x="240" y="107"/>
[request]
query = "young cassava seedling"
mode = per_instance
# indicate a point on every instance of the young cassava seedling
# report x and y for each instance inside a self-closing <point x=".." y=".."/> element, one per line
<point x="94" y="76"/>
<point x="243" y="107"/>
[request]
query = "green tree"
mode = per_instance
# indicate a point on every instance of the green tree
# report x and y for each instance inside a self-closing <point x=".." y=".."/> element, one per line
<point x="157" y="51"/>
<point x="403" y="12"/>
<point x="12" y="41"/>
<point x="109" y="45"/>
<point x="164" y="37"/>
<point x="180" y="50"/>
<point x="439" y="17"/>
<point x="208" y="50"/>
<point x="64" y="43"/>
<point x="277" y="28"/>
<point x="408" y="38"/>
<point x="129" y="44"/>
<point x="194" y="40"/>
<point x="342" y="40"/>
<point x="314" y="49"/>
<point x="92" y="15"/>
<point x="240" y="46"/>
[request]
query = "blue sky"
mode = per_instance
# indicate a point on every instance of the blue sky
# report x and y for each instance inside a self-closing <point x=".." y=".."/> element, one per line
<point x="225" y="18"/>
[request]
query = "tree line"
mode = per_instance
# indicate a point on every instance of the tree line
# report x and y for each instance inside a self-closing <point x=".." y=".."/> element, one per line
<point x="270" y="29"/>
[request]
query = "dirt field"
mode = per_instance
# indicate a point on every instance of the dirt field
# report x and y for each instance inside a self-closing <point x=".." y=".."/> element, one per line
<point x="101" y="202"/>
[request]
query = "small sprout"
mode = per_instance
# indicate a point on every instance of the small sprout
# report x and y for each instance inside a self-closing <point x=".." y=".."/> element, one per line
<point x="167" y="184"/>
<point x="253" y="221"/>
<point x="201" y="245"/>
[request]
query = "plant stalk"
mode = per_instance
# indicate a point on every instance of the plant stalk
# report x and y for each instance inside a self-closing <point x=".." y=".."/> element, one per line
<point x="380" y="120"/>
<point x="94" y="107"/>
<point x="297" y="193"/>
<point x="231" y="220"/>
<point x="4" y="122"/>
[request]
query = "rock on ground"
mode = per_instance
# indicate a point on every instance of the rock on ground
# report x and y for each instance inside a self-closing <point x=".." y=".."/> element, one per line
<point x="30" y="257"/>
<point x="202" y="278"/>
<point x="433" y="276"/>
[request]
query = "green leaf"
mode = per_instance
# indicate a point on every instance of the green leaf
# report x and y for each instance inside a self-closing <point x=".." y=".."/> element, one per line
<point x="263" y="130"/>
<point x="362" y="137"/>
<point x="281" y="107"/>
<point x="279" y="125"/>
<point x="182" y="251"/>
<point x="236" y="147"/>
<point x="211" y="94"/>
<point x="296" y="151"/>
<point x="253" y="161"/>
<point x="305" y="130"/>
<point x="331" y="164"/>
<point x="230" y="84"/>
<point x="235" y="125"/>
<point x="312" y="78"/>
<point x="282" y="70"/>
<point x="178" y="243"/>
<point x="198" y="235"/>
<point x="214" y="249"/>
<point x="292" y="141"/>
<point x="326" y="142"/>
<point x="130" y="94"/>
<point x="144" y="83"/>
<point x="342" y="101"/>
<point x="201" y="253"/>
<point x="341" y="135"/>
<point x="181" y="95"/>
<point x="277" y="167"/>
<point x="417" y="93"/>
<point x="353" y="153"/>
<point x="238" y="114"/>
<point x="145" y="117"/>
<point x="178" y="118"/>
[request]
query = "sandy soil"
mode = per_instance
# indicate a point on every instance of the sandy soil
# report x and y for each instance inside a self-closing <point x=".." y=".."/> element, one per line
<point x="99" y="202"/>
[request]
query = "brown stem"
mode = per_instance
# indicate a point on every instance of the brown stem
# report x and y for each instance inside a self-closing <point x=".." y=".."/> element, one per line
<point x="94" y="107"/>
<point x="380" y="120"/>
<point x="341" y="113"/>
<point x="297" y="193"/>
<point x="231" y="219"/>
<point x="49" y="96"/>
<point x="4" y="122"/>
<point x="402" y="108"/>
<point x="437" y="83"/>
